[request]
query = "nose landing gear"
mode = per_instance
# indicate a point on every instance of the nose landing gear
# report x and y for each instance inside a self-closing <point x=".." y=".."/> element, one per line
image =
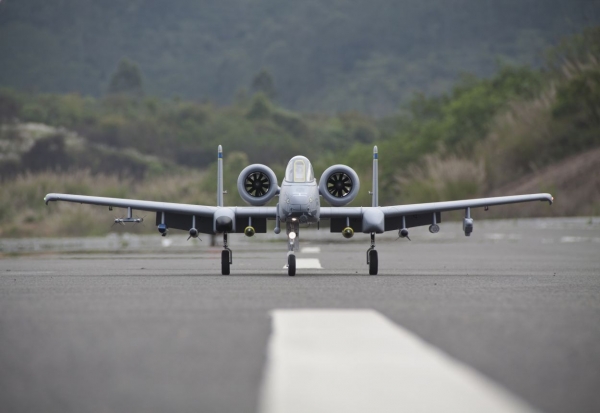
<point x="293" y="232"/>
<point x="372" y="258"/>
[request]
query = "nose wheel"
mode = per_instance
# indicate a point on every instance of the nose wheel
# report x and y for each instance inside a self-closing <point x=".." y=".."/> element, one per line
<point x="372" y="258"/>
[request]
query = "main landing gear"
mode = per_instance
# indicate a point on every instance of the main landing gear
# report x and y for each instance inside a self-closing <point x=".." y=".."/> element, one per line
<point x="372" y="258"/>
<point x="291" y="265"/>
<point x="226" y="257"/>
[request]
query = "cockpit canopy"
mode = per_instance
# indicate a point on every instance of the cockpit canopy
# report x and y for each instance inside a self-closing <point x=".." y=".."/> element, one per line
<point x="299" y="170"/>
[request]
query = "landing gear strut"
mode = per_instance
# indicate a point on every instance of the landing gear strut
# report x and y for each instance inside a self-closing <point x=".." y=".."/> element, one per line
<point x="372" y="259"/>
<point x="226" y="257"/>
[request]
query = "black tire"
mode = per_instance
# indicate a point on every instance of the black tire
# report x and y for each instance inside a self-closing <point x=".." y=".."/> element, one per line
<point x="291" y="265"/>
<point x="373" y="262"/>
<point x="225" y="262"/>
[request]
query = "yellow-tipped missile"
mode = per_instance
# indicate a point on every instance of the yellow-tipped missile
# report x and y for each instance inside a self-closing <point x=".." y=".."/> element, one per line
<point x="249" y="231"/>
<point x="348" y="232"/>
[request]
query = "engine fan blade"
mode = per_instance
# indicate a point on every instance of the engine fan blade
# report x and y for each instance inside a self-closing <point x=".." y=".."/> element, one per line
<point x="257" y="184"/>
<point x="339" y="185"/>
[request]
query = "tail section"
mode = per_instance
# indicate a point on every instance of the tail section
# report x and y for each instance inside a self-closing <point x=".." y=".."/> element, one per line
<point x="375" y="193"/>
<point x="220" y="177"/>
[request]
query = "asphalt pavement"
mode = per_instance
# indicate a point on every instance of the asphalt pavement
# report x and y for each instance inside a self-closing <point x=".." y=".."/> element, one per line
<point x="159" y="329"/>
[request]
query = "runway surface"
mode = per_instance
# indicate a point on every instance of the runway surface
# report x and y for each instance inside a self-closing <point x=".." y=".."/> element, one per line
<point x="156" y="328"/>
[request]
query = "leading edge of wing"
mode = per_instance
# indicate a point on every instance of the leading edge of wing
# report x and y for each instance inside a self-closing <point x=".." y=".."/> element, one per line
<point x="399" y="210"/>
<point x="187" y="209"/>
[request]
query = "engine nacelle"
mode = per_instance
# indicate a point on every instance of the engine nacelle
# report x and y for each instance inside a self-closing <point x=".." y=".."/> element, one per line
<point x="339" y="185"/>
<point x="257" y="184"/>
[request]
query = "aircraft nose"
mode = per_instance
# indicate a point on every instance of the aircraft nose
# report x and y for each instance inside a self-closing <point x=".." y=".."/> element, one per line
<point x="300" y="198"/>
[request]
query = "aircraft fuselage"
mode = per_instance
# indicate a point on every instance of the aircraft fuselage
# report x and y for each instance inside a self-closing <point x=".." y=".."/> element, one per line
<point x="299" y="201"/>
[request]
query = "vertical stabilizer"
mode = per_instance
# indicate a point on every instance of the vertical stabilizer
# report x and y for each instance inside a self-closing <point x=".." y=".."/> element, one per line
<point x="375" y="193"/>
<point x="220" y="177"/>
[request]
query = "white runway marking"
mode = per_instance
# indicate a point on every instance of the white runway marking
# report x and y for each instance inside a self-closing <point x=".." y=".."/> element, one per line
<point x="359" y="361"/>
<point x="495" y="236"/>
<point x="579" y="239"/>
<point x="17" y="272"/>
<point x="307" y="264"/>
<point x="310" y="250"/>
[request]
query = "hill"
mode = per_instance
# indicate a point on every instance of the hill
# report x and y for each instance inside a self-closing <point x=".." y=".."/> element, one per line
<point x="523" y="129"/>
<point x="574" y="182"/>
<point x="324" y="56"/>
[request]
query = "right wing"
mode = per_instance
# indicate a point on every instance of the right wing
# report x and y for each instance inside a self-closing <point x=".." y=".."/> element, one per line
<point x="179" y="216"/>
<point x="186" y="209"/>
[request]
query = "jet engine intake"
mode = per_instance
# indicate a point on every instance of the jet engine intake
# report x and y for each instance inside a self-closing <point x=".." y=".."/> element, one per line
<point x="339" y="185"/>
<point x="257" y="184"/>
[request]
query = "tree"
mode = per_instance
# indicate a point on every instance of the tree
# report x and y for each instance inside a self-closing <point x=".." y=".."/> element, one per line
<point x="127" y="80"/>
<point x="260" y="108"/>
<point x="263" y="83"/>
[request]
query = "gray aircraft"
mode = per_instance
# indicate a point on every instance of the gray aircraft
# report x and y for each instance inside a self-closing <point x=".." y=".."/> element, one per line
<point x="299" y="203"/>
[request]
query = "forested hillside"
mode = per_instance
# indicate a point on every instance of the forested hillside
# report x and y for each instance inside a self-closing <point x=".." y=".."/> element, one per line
<point x="324" y="56"/>
<point x="523" y="129"/>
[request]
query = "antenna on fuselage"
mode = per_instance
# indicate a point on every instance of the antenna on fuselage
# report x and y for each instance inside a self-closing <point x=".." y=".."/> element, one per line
<point x="220" y="177"/>
<point x="375" y="192"/>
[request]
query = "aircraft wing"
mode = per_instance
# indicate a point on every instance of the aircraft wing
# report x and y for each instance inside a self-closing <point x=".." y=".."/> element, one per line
<point x="186" y="209"/>
<point x="183" y="216"/>
<point x="153" y="206"/>
<point x="400" y="210"/>
<point x="411" y="209"/>
<point x="389" y="218"/>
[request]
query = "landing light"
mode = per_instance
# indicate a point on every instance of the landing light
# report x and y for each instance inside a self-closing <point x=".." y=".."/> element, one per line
<point x="292" y="235"/>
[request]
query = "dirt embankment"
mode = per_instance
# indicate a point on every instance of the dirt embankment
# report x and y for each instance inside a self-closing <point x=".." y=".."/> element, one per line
<point x="574" y="183"/>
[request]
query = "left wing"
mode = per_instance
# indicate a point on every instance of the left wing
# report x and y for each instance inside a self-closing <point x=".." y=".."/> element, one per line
<point x="381" y="219"/>
<point x="399" y="210"/>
